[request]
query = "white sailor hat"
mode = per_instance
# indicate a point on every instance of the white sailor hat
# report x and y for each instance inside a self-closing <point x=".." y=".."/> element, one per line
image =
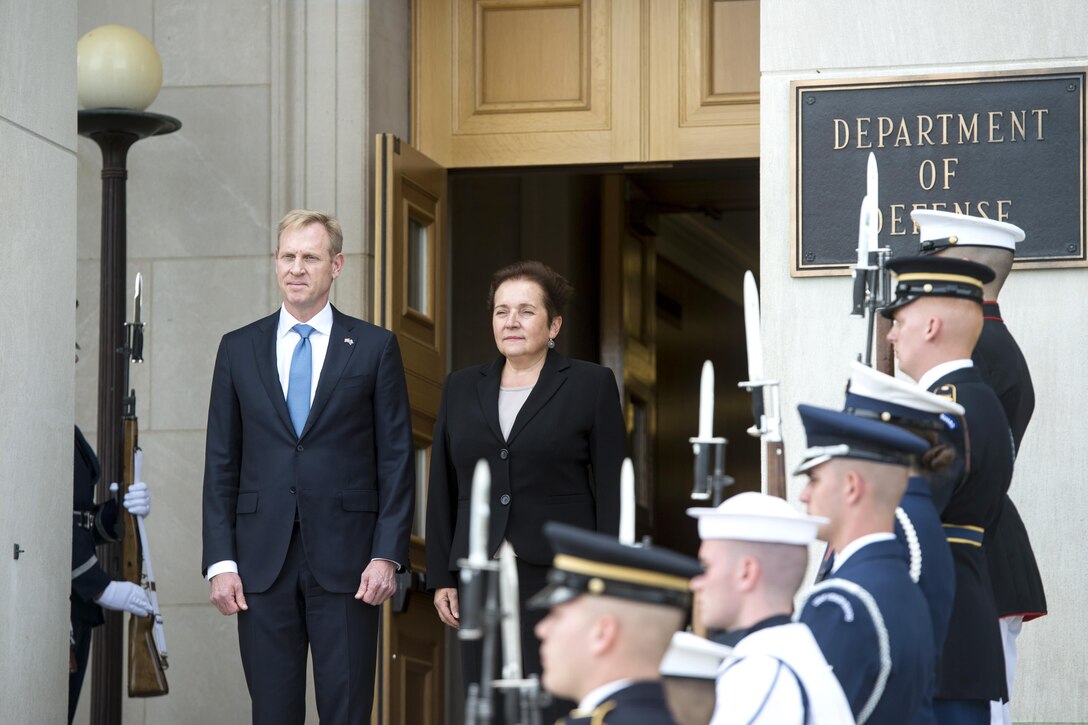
<point x="872" y="394"/>
<point x="690" y="655"/>
<point x="939" y="230"/>
<point x="756" y="517"/>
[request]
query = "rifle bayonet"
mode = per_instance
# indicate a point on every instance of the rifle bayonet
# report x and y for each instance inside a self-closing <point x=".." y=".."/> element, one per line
<point x="767" y="425"/>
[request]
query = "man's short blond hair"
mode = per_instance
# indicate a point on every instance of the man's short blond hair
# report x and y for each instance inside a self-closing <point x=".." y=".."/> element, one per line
<point x="301" y="218"/>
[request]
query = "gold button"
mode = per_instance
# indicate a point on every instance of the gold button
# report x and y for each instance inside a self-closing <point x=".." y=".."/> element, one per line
<point x="885" y="416"/>
<point x="927" y="287"/>
<point x="595" y="586"/>
<point x="953" y="239"/>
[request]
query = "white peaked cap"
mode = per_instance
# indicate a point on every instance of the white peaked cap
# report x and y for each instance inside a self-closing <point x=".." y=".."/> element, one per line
<point x="756" y="517"/>
<point x="874" y="384"/>
<point x="690" y="655"/>
<point x="968" y="231"/>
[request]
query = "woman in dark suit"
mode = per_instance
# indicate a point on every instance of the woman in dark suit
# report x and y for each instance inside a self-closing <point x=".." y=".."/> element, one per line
<point x="551" y="430"/>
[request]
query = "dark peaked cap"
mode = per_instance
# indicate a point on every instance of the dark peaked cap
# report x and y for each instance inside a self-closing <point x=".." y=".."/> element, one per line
<point x="936" y="277"/>
<point x="834" y="434"/>
<point x="587" y="562"/>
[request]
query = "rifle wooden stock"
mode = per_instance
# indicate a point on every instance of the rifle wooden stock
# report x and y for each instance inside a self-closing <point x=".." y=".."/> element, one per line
<point x="885" y="352"/>
<point x="146" y="677"/>
<point x="130" y="542"/>
<point x="776" y="469"/>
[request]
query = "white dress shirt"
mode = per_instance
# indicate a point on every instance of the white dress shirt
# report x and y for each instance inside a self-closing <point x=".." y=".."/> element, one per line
<point x="287" y="340"/>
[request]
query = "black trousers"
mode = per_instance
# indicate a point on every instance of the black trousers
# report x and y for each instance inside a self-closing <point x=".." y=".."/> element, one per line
<point x="297" y="614"/>
<point x="81" y="631"/>
<point x="531" y="579"/>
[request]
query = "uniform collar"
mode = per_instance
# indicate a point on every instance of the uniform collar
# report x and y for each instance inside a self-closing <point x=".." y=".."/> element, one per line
<point x="854" y="546"/>
<point x="598" y="695"/>
<point x="937" y="372"/>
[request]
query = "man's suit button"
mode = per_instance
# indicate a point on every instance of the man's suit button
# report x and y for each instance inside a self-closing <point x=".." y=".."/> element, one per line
<point x="505" y="498"/>
<point x="504" y="454"/>
<point x="292" y="489"/>
<point x="300" y="448"/>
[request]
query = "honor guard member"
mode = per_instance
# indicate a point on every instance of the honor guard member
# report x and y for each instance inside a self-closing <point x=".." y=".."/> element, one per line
<point x="614" y="609"/>
<point x="937" y="317"/>
<point x="1018" y="586"/>
<point x="872" y="394"/>
<point x="92" y="589"/>
<point x="870" y="620"/>
<point x="755" y="555"/>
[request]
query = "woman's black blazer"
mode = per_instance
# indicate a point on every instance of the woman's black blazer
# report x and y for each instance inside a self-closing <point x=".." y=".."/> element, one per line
<point x="561" y="462"/>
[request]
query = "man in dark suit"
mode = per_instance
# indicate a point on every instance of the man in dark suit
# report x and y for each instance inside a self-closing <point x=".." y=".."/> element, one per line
<point x="1018" y="586"/>
<point x="308" y="486"/>
<point x="938" y="319"/>
<point x="613" y="611"/>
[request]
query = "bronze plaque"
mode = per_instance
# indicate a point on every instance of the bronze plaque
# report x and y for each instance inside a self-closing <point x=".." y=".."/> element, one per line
<point x="1006" y="146"/>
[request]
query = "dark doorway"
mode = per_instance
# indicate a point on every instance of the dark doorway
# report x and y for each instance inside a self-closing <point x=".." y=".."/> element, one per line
<point x="703" y="219"/>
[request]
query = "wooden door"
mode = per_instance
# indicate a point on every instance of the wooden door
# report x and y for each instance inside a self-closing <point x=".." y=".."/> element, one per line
<point x="410" y="270"/>
<point x="531" y="82"/>
<point x="628" y="319"/>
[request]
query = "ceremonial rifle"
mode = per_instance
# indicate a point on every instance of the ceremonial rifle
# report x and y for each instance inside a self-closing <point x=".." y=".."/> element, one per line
<point x="767" y="419"/>
<point x="146" y="640"/>
<point x="872" y="281"/>
<point x="708" y="449"/>
<point x="489" y="600"/>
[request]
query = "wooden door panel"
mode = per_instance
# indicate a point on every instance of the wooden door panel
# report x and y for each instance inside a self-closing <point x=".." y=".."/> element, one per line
<point x="525" y="82"/>
<point x="704" y="82"/>
<point x="410" y="272"/>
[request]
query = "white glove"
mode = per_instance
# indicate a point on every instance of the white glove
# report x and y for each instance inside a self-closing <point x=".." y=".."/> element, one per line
<point x="125" y="597"/>
<point x="137" y="499"/>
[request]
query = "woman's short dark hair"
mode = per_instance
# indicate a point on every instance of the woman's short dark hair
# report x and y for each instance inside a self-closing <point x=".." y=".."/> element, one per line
<point x="940" y="455"/>
<point x="557" y="291"/>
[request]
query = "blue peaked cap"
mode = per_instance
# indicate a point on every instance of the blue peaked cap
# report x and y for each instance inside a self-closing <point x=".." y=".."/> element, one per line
<point x="836" y="434"/>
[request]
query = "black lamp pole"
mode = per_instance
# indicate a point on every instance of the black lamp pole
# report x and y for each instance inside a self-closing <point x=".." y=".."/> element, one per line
<point x="114" y="130"/>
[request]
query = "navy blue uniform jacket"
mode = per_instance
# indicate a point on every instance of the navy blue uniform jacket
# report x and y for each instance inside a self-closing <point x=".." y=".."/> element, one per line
<point x="350" y="475"/>
<point x="882" y="686"/>
<point x="640" y="703"/>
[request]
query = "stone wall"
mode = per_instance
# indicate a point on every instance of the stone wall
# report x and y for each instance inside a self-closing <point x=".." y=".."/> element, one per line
<point x="1044" y="308"/>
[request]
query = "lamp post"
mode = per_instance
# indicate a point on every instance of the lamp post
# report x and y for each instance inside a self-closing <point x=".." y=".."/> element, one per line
<point x="119" y="74"/>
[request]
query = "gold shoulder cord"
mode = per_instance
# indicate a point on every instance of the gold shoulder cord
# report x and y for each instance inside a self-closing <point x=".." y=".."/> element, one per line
<point x="602" y="710"/>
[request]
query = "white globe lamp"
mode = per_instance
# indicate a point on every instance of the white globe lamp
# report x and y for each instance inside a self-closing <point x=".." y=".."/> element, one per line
<point x="117" y="67"/>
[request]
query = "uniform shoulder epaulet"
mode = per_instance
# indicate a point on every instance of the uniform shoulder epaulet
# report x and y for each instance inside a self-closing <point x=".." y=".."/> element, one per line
<point x="600" y="711"/>
<point x="948" y="390"/>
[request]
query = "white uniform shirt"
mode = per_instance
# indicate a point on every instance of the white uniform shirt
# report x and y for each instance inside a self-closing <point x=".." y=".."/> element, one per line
<point x="754" y="687"/>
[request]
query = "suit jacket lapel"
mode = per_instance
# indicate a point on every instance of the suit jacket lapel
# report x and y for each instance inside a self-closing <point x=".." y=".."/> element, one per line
<point x="552" y="377"/>
<point x="336" y="359"/>
<point x="487" y="390"/>
<point x="264" y="349"/>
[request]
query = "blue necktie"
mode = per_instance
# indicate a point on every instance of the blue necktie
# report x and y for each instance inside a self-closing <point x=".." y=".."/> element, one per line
<point x="299" y="382"/>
